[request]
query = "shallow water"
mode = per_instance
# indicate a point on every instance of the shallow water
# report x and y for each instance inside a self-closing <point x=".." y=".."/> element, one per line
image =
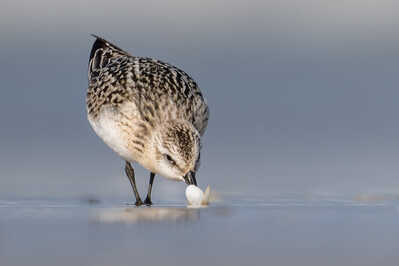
<point x="272" y="231"/>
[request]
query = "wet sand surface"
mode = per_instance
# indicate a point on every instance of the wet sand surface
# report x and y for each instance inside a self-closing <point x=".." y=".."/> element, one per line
<point x="234" y="232"/>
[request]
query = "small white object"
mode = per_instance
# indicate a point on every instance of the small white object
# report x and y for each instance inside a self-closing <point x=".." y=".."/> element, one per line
<point x="194" y="195"/>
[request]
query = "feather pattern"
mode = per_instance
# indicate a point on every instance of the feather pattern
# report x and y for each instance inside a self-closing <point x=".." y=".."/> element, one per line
<point x="157" y="89"/>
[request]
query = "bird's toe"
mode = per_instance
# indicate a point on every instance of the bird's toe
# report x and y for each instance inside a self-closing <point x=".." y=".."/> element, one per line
<point x="148" y="201"/>
<point x="138" y="203"/>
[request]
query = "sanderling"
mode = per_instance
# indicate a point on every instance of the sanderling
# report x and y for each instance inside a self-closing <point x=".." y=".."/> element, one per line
<point x="147" y="111"/>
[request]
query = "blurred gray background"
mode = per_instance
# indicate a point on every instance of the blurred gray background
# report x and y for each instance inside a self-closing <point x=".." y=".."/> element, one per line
<point x="303" y="94"/>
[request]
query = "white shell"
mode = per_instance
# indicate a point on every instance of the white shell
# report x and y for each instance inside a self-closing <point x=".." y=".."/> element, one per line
<point x="194" y="195"/>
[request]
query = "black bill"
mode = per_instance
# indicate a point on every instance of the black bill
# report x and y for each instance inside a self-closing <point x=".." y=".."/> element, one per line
<point x="190" y="178"/>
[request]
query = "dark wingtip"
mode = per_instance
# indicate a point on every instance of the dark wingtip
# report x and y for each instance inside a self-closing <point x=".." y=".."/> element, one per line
<point x="102" y="43"/>
<point x="95" y="36"/>
<point x="102" y="40"/>
<point x="98" y="44"/>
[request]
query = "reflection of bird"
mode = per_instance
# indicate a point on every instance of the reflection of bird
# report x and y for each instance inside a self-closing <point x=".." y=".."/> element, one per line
<point x="147" y="111"/>
<point x="130" y="216"/>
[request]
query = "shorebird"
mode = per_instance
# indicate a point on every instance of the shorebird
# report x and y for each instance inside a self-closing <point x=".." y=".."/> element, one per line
<point x="147" y="111"/>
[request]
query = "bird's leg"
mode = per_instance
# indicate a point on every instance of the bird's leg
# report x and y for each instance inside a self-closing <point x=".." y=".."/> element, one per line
<point x="130" y="174"/>
<point x="148" y="198"/>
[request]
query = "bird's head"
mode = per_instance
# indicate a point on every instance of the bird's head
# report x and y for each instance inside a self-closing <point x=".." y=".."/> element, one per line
<point x="176" y="147"/>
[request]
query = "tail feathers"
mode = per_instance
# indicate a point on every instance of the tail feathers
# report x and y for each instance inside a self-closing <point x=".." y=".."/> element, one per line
<point x="101" y="52"/>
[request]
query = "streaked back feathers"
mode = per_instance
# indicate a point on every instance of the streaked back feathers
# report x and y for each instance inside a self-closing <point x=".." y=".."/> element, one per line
<point x="152" y="85"/>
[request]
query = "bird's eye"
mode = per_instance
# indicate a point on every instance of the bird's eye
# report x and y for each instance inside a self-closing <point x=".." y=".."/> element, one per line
<point x="170" y="159"/>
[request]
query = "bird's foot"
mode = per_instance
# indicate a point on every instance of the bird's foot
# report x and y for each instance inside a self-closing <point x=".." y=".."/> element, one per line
<point x="148" y="201"/>
<point x="138" y="203"/>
